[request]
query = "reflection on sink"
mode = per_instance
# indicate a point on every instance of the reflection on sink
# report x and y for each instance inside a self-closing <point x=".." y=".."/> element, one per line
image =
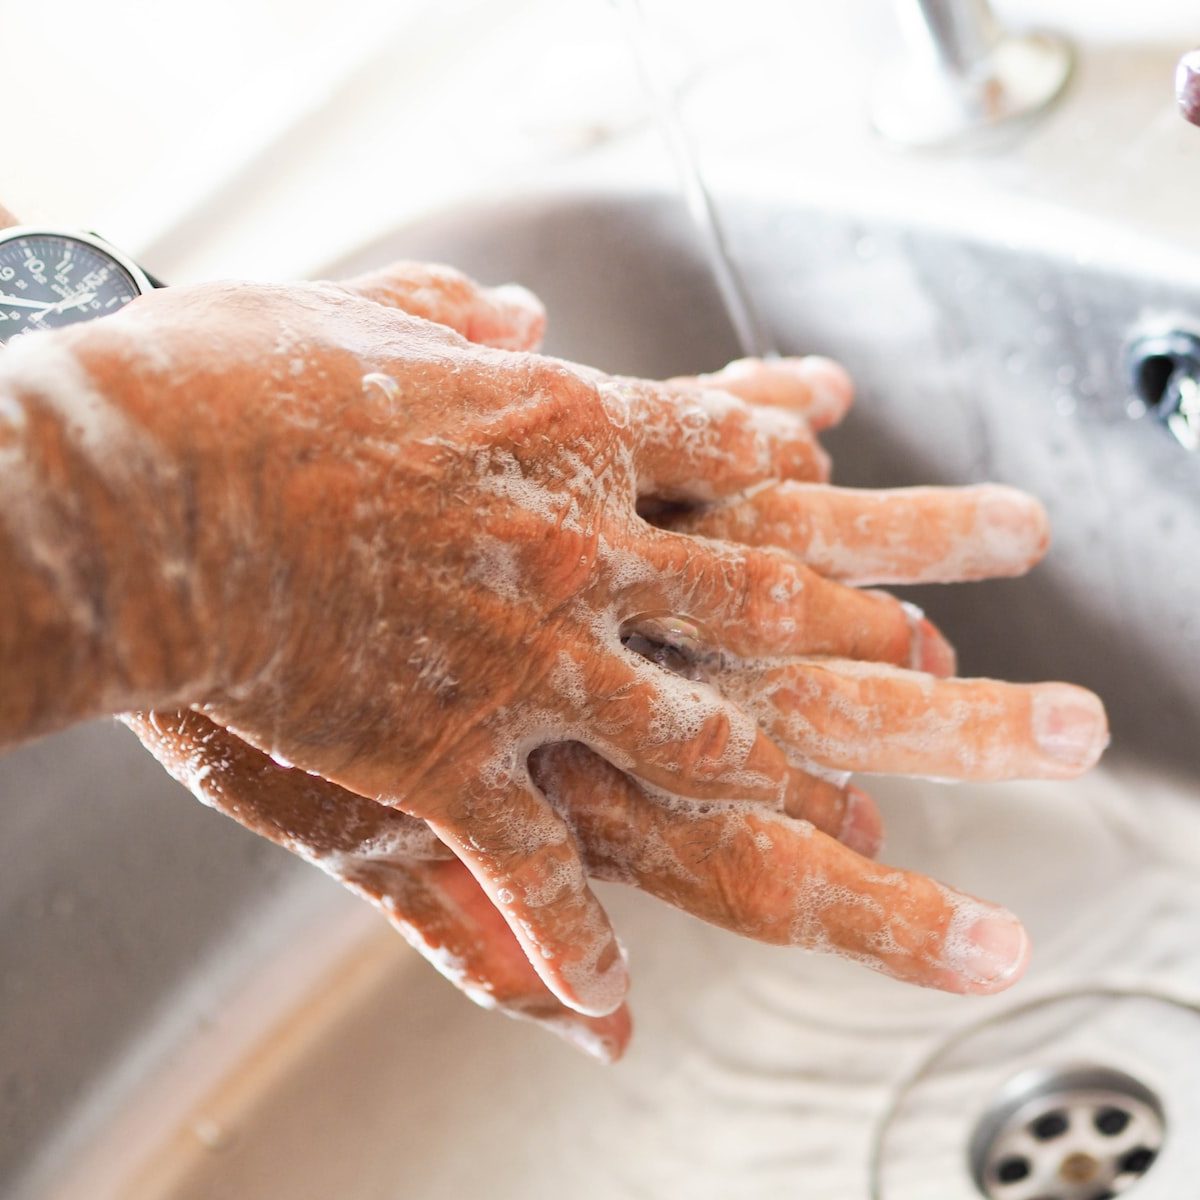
<point x="755" y="1072"/>
<point x="759" y="1072"/>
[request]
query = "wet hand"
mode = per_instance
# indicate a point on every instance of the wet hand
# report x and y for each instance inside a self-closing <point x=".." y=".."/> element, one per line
<point x="756" y="872"/>
<point x="410" y="559"/>
<point x="536" y="556"/>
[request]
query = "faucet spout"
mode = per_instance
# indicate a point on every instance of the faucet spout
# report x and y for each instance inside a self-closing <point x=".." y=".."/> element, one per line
<point x="955" y="34"/>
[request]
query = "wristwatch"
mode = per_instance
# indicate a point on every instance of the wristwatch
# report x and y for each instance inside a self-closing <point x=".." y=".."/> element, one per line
<point x="54" y="277"/>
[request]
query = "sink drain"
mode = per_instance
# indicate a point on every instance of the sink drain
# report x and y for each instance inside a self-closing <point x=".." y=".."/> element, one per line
<point x="1079" y="1133"/>
<point x="1077" y="1095"/>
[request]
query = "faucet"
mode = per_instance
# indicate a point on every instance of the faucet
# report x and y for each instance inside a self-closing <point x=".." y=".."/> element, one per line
<point x="961" y="76"/>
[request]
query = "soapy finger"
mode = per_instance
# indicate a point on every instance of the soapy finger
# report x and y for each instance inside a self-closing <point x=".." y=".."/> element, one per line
<point x="524" y="858"/>
<point x="817" y="388"/>
<point x="393" y="860"/>
<point x="508" y="317"/>
<point x="684" y="737"/>
<point x="760" y="602"/>
<point x="899" y="536"/>
<point x="854" y="716"/>
<point x="701" y="444"/>
<point x="304" y="813"/>
<point x="766" y="876"/>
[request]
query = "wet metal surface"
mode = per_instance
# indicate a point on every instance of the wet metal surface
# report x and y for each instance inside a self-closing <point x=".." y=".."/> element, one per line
<point x="977" y="357"/>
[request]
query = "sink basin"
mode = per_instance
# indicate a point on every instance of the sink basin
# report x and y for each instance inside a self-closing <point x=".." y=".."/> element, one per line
<point x="252" y="1033"/>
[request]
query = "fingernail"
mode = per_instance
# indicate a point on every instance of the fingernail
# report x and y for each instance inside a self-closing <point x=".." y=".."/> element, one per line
<point x="1069" y="725"/>
<point x="515" y="297"/>
<point x="584" y="1037"/>
<point x="930" y="651"/>
<point x="936" y="655"/>
<point x="735" y="369"/>
<point x="599" y="990"/>
<point x="830" y="387"/>
<point x="603" y="1038"/>
<point x="1012" y="530"/>
<point x="996" y="952"/>
<point x="523" y="311"/>
<point x="862" y="824"/>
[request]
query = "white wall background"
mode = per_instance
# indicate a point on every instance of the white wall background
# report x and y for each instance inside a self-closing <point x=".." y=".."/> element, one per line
<point x="258" y="136"/>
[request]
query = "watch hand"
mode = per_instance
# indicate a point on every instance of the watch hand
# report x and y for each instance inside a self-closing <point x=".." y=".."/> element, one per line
<point x="16" y="300"/>
<point x="64" y="304"/>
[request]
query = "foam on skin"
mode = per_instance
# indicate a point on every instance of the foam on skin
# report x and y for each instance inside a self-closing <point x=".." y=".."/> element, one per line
<point x="71" y="459"/>
<point x="381" y="855"/>
<point x="377" y="657"/>
<point x="901" y="535"/>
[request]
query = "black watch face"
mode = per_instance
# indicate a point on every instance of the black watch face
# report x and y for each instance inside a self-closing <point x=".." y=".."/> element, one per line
<point x="48" y="280"/>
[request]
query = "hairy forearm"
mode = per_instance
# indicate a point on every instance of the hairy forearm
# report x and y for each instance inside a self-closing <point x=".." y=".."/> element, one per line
<point x="97" y="611"/>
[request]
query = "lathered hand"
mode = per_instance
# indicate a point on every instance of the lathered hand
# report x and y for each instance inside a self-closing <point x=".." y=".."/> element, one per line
<point x="405" y="562"/>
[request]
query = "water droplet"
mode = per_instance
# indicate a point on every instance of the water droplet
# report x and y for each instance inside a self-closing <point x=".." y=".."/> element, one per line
<point x="504" y="896"/>
<point x="1015" y="362"/>
<point x="210" y="1134"/>
<point x="1135" y="409"/>
<point x="1065" y="374"/>
<point x="1043" y="335"/>
<point x="1064" y="403"/>
<point x="382" y="384"/>
<point x="278" y="758"/>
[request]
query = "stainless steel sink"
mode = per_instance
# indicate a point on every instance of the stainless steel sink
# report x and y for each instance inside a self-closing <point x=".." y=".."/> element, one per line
<point x="271" y="1061"/>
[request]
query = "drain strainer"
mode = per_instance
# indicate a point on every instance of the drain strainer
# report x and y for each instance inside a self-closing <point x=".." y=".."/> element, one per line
<point x="1078" y="1133"/>
<point x="1086" y="1094"/>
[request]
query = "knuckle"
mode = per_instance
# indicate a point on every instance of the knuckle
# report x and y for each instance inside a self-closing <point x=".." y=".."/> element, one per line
<point x="705" y="755"/>
<point x="548" y="875"/>
<point x="766" y="592"/>
<point x="749" y="899"/>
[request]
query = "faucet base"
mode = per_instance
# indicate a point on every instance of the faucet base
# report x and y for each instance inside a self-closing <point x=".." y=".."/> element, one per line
<point x="923" y="107"/>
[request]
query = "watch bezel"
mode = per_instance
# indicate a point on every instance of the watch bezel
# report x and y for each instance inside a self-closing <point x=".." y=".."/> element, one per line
<point x="141" y="280"/>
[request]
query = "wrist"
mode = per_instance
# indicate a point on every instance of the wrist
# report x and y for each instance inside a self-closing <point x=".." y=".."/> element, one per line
<point x="202" y="491"/>
<point x="102" y="613"/>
